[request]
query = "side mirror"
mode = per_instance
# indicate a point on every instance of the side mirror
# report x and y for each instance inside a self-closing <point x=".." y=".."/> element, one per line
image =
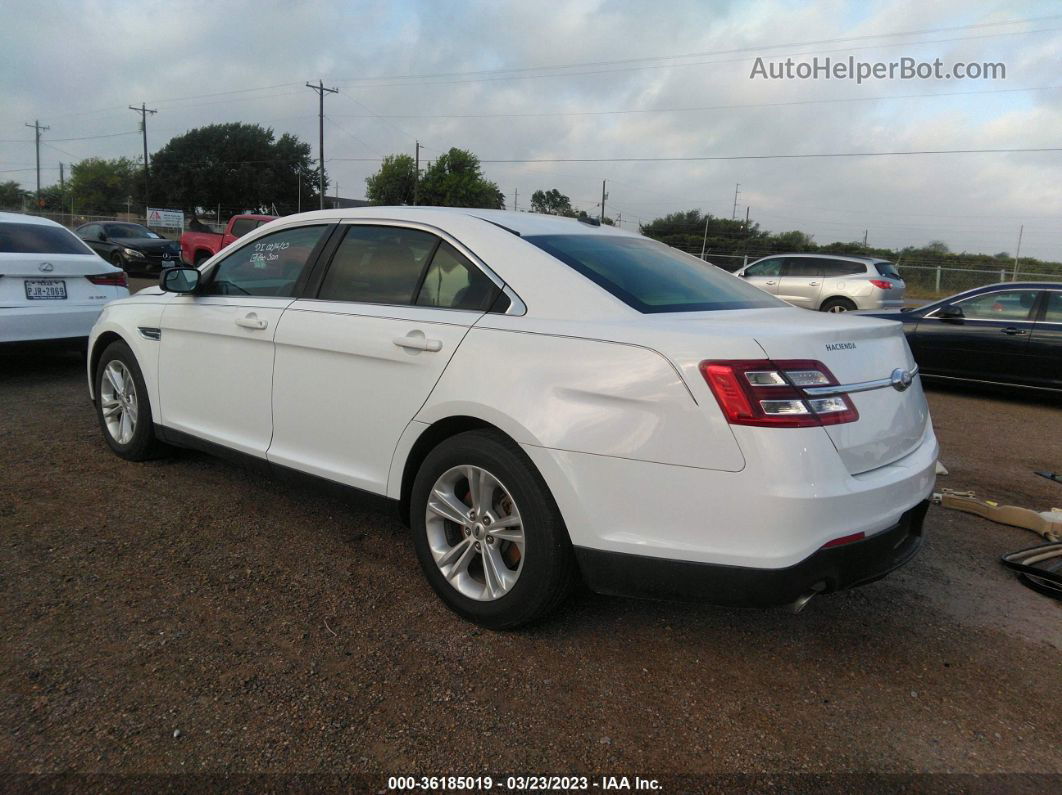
<point x="951" y="313"/>
<point x="180" y="280"/>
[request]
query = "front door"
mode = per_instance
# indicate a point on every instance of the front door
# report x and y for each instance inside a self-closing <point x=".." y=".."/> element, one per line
<point x="216" y="346"/>
<point x="356" y="363"/>
<point x="765" y="274"/>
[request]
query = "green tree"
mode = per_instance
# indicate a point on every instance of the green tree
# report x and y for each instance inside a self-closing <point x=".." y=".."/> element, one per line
<point x="11" y="195"/>
<point x="456" y="180"/>
<point x="103" y="187"/>
<point x="394" y="183"/>
<point x="686" y="230"/>
<point x="235" y="165"/>
<point x="551" y="202"/>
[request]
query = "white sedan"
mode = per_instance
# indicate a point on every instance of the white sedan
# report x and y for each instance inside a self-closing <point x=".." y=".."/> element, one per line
<point x="543" y="399"/>
<point x="52" y="286"/>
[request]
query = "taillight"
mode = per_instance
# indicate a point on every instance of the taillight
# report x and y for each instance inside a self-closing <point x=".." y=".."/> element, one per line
<point x="881" y="283"/>
<point x="113" y="279"/>
<point x="769" y="393"/>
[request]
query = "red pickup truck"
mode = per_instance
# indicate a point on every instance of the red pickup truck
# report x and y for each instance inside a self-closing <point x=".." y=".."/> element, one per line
<point x="196" y="247"/>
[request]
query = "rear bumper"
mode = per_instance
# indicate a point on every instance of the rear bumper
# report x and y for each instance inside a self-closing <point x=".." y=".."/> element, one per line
<point x="33" y="323"/>
<point x="830" y="569"/>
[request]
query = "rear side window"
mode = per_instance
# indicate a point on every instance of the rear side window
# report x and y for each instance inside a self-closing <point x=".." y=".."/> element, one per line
<point x="651" y="277"/>
<point x="888" y="269"/>
<point x="378" y="265"/>
<point x="269" y="266"/>
<point x="837" y="267"/>
<point x="242" y="226"/>
<point x="452" y="282"/>
<point x="1053" y="312"/>
<point x="39" y="239"/>
<point x="802" y="267"/>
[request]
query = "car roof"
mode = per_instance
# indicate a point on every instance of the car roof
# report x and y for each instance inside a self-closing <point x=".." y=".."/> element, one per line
<point x="22" y="218"/>
<point x="823" y="255"/>
<point x="519" y="223"/>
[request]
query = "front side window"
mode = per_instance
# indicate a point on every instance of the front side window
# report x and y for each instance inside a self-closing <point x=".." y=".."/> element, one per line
<point x="769" y="267"/>
<point x="651" y="277"/>
<point x="90" y="232"/>
<point x="1006" y="305"/>
<point x="39" y="239"/>
<point x="269" y="266"/>
<point x="452" y="282"/>
<point x="378" y="265"/>
<point x="130" y="231"/>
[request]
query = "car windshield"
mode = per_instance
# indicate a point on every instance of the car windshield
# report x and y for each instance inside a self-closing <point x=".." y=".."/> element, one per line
<point x="650" y="276"/>
<point x="888" y="269"/>
<point x="39" y="239"/>
<point x="130" y="231"/>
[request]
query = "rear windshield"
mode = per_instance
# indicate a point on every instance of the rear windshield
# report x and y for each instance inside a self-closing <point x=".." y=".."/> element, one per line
<point x="650" y="276"/>
<point x="39" y="239"/>
<point x="887" y="269"/>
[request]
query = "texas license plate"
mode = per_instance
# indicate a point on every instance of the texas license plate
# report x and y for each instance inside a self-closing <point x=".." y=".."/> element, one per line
<point x="45" y="289"/>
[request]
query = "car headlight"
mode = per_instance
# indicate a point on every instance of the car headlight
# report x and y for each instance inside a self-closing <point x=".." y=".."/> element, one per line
<point x="132" y="252"/>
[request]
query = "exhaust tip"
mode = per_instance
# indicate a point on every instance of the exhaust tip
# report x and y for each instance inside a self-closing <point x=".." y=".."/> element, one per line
<point x="802" y="601"/>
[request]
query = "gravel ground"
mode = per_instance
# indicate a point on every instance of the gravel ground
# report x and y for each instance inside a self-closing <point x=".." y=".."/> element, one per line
<point x="185" y="615"/>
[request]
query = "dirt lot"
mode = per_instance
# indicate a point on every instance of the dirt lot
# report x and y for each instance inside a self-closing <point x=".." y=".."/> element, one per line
<point x="187" y="616"/>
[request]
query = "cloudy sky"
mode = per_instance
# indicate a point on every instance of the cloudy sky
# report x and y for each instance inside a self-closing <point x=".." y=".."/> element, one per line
<point x="601" y="80"/>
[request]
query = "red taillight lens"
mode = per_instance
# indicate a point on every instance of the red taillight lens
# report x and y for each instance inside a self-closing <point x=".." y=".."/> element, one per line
<point x="881" y="283"/>
<point x="766" y="393"/>
<point x="840" y="542"/>
<point x="113" y="279"/>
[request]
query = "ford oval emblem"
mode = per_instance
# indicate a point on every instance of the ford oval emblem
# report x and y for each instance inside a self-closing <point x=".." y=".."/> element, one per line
<point x="901" y="379"/>
<point x="46" y="267"/>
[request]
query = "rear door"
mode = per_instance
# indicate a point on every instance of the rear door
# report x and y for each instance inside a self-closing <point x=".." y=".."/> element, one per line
<point x="989" y="343"/>
<point x="801" y="281"/>
<point x="765" y="274"/>
<point x="1045" y="344"/>
<point x="216" y="346"/>
<point x="357" y="360"/>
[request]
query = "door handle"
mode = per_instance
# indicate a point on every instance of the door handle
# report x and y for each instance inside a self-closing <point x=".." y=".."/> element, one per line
<point x="416" y="341"/>
<point x="813" y="284"/>
<point x="251" y="321"/>
<point x="768" y="282"/>
<point x="1011" y="331"/>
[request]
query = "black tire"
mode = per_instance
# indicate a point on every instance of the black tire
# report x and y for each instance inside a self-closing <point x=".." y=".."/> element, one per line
<point x="548" y="567"/>
<point x="200" y="258"/>
<point x="117" y="260"/>
<point x="837" y="305"/>
<point x="143" y="444"/>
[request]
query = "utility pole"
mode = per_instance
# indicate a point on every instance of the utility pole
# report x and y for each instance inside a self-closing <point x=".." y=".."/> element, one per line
<point x="1017" y="253"/>
<point x="704" y="242"/>
<point x="865" y="239"/>
<point x="601" y="218"/>
<point x="516" y="199"/>
<point x="37" y="130"/>
<point x="321" y="91"/>
<point x="143" y="110"/>
<point x="416" y="175"/>
<point x="737" y="192"/>
<point x="62" y="189"/>
<point x="300" y="189"/>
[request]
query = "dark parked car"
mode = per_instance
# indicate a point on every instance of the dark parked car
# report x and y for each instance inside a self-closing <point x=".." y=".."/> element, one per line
<point x="1009" y="333"/>
<point x="131" y="247"/>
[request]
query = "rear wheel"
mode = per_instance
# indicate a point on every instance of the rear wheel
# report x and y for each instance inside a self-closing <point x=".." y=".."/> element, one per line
<point x="122" y="405"/>
<point x="838" y="305"/>
<point x="487" y="532"/>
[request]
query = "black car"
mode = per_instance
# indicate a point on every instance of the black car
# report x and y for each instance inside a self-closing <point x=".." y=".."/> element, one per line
<point x="1009" y="333"/>
<point x="131" y="247"/>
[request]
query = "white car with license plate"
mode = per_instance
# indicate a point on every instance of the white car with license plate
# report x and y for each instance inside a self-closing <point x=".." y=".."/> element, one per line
<point x="52" y="286"/>
<point x="543" y="399"/>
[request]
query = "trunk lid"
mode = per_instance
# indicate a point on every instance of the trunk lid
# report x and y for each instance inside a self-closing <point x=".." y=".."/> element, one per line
<point x="856" y="349"/>
<point x="53" y="274"/>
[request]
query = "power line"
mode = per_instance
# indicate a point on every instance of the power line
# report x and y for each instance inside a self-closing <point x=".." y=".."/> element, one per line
<point x="763" y="157"/>
<point x="755" y="48"/>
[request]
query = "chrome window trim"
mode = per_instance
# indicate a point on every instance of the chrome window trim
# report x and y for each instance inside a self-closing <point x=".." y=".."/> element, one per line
<point x="953" y="302"/>
<point x="850" y="389"/>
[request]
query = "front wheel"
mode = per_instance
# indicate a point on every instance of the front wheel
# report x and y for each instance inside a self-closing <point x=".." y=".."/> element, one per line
<point x="488" y="533"/>
<point x="122" y="405"/>
<point x="117" y="260"/>
<point x="838" y="305"/>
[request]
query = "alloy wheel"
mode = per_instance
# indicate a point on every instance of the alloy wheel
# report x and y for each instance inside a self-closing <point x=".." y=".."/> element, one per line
<point x="118" y="401"/>
<point x="475" y="533"/>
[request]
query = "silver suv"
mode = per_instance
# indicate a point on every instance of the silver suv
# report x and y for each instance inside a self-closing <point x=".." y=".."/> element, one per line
<point x="828" y="282"/>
